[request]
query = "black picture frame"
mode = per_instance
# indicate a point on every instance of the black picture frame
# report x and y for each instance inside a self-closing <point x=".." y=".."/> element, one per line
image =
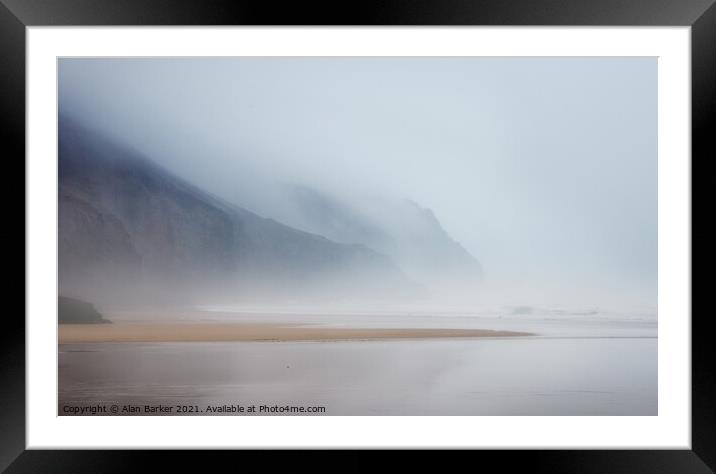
<point x="16" y="15"/>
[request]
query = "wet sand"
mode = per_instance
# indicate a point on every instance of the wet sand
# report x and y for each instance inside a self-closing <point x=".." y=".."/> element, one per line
<point x="223" y="332"/>
<point x="367" y="365"/>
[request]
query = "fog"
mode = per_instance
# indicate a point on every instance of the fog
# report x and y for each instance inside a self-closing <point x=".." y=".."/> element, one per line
<point x="543" y="169"/>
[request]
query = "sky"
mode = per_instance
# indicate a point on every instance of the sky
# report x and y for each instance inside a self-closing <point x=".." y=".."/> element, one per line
<point x="545" y="169"/>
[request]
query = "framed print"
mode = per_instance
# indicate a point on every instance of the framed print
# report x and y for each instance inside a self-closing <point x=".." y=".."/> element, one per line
<point x="450" y="227"/>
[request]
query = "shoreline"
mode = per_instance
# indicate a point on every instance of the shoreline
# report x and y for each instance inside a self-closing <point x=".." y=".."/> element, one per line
<point x="228" y="332"/>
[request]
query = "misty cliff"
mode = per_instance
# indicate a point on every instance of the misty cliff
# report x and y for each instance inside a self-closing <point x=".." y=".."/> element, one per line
<point x="410" y="234"/>
<point x="130" y="229"/>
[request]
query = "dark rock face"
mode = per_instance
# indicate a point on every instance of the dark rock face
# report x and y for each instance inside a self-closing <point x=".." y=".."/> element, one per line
<point x="129" y="229"/>
<point x="74" y="311"/>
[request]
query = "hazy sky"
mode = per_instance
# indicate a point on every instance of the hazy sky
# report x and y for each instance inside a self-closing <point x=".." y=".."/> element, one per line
<point x="545" y="169"/>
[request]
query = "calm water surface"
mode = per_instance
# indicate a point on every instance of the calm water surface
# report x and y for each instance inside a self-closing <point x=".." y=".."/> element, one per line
<point x="571" y="368"/>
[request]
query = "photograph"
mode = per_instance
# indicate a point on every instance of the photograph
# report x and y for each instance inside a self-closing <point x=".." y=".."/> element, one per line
<point x="463" y="228"/>
<point x="357" y="235"/>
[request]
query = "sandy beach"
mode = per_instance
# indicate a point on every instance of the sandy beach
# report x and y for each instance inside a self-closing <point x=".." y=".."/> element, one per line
<point x="363" y="365"/>
<point x="223" y="332"/>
